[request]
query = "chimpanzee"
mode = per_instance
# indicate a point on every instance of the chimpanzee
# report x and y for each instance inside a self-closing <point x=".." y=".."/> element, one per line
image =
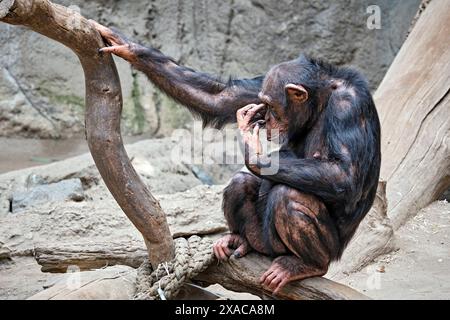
<point x="304" y="214"/>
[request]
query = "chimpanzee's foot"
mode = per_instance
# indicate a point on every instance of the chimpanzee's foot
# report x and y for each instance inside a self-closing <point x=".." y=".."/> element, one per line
<point x="231" y="244"/>
<point x="285" y="269"/>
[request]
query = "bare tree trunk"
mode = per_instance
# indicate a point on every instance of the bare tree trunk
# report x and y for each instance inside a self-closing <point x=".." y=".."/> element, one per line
<point x="414" y="106"/>
<point x="103" y="110"/>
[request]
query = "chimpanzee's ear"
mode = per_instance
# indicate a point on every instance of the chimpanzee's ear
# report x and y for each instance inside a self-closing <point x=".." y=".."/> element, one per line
<point x="296" y="93"/>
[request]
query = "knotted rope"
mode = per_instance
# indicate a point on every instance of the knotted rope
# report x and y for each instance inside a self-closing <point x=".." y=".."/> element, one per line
<point x="192" y="257"/>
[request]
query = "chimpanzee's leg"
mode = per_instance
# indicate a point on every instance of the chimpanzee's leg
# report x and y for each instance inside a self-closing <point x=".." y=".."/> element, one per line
<point x="239" y="206"/>
<point x="304" y="226"/>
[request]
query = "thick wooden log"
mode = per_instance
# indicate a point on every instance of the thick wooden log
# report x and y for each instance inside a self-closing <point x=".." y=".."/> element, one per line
<point x="103" y="112"/>
<point x="89" y="257"/>
<point x="413" y="102"/>
<point x="241" y="275"/>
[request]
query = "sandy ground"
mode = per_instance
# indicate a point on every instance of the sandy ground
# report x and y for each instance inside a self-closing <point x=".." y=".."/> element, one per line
<point x="21" y="278"/>
<point x="420" y="267"/>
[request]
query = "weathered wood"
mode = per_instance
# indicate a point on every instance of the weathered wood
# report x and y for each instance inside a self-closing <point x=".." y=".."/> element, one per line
<point x="103" y="112"/>
<point x="241" y="275"/>
<point x="413" y="102"/>
<point x="89" y="257"/>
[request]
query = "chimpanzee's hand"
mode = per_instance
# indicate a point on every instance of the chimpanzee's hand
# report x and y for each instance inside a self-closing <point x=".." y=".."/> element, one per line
<point x="250" y="130"/>
<point x="245" y="116"/>
<point x="117" y="43"/>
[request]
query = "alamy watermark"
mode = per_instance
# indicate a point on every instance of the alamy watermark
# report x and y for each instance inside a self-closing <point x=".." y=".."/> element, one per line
<point x="374" y="19"/>
<point x="213" y="146"/>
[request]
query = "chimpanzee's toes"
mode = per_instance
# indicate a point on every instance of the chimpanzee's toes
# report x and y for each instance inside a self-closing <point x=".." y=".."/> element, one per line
<point x="242" y="250"/>
<point x="275" y="278"/>
<point x="221" y="249"/>
<point x="231" y="244"/>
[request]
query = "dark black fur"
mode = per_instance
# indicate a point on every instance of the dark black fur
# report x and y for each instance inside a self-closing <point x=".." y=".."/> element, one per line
<point x="343" y="122"/>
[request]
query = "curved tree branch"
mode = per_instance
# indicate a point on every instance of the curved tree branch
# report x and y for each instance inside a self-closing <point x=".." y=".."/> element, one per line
<point x="103" y="111"/>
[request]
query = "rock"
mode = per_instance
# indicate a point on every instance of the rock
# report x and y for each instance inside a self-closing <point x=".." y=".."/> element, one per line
<point x="5" y="252"/>
<point x="151" y="158"/>
<point x="48" y="193"/>
<point x="195" y="211"/>
<point x="112" y="283"/>
<point x="80" y="226"/>
<point x="18" y="114"/>
<point x="45" y="97"/>
<point x="34" y="180"/>
<point x="445" y="195"/>
<point x="21" y="278"/>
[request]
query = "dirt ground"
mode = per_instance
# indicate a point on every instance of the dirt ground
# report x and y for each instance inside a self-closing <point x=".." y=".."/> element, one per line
<point x="21" y="278"/>
<point x="420" y="267"/>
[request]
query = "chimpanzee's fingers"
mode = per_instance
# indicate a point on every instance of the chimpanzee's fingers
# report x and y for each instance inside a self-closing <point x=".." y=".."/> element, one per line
<point x="113" y="49"/>
<point x="251" y="112"/>
<point x="240" y="114"/>
<point x="221" y="249"/>
<point x="222" y="254"/>
<point x="217" y="252"/>
<point x="226" y="250"/>
<point x="265" y="275"/>
<point x="112" y="37"/>
<point x="237" y="241"/>
<point x="256" y="107"/>
<point x="281" y="285"/>
<point x="105" y="32"/>
<point x="270" y="278"/>
<point x="256" y="131"/>
<point x="100" y="28"/>
<point x="117" y="34"/>
<point x="275" y="282"/>
<point x="121" y="51"/>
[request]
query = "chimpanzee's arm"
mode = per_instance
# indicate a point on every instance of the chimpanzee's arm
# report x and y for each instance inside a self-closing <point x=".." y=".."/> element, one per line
<point x="215" y="101"/>
<point x="332" y="180"/>
<point x="328" y="180"/>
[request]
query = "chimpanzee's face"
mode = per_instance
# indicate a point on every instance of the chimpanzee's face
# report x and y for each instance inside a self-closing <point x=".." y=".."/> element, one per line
<point x="276" y="120"/>
<point x="285" y="100"/>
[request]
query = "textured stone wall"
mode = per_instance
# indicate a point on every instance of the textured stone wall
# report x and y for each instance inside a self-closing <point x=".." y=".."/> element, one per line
<point x="42" y="85"/>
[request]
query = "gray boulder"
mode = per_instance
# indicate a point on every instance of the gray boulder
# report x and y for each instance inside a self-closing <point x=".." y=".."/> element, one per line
<point x="71" y="189"/>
